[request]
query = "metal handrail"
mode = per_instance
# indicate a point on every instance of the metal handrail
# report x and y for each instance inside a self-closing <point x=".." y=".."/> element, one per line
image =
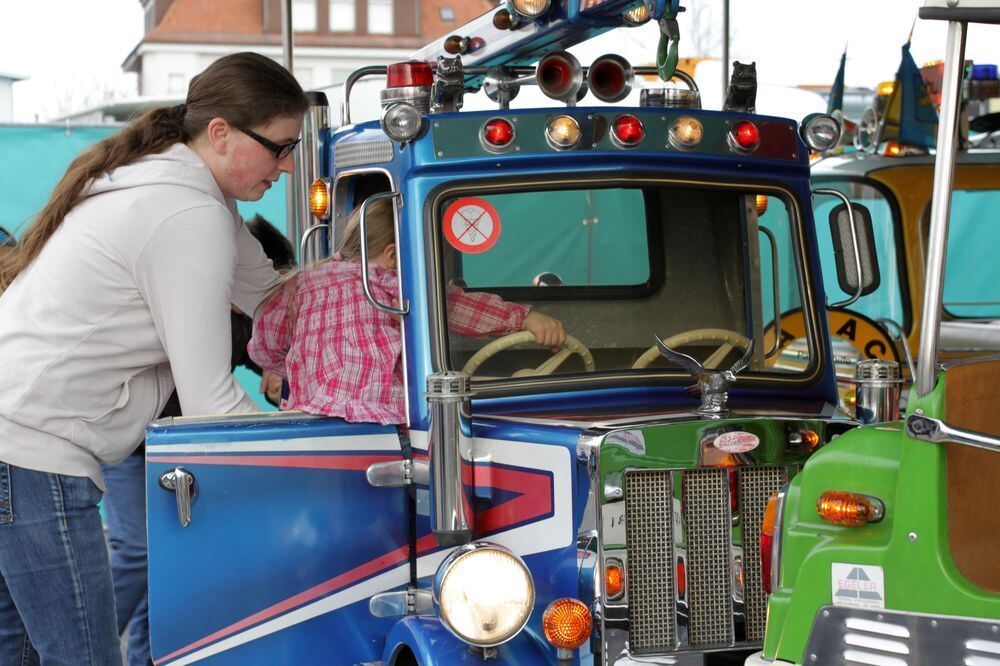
<point x="303" y="244"/>
<point x="854" y="242"/>
<point x="363" y="229"/>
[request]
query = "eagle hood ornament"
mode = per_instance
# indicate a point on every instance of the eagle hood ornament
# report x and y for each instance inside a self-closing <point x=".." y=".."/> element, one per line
<point x="714" y="384"/>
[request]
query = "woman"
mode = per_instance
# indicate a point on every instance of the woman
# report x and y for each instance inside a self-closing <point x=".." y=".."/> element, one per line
<point x="122" y="290"/>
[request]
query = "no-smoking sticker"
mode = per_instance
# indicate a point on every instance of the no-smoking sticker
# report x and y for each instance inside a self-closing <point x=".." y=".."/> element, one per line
<point x="471" y="225"/>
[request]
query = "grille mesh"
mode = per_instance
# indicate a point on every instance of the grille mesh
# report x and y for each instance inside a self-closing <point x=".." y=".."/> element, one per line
<point x="649" y="535"/>
<point x="707" y="519"/>
<point x="756" y="487"/>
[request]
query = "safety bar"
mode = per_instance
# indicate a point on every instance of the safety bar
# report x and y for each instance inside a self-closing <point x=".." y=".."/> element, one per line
<point x="404" y="304"/>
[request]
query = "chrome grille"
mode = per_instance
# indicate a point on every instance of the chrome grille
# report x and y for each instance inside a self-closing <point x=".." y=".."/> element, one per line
<point x="649" y="534"/>
<point x="709" y="615"/>
<point x="707" y="521"/>
<point x="756" y="487"/>
<point x="360" y="153"/>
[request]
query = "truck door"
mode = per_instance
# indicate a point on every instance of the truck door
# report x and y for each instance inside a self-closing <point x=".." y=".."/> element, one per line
<point x="282" y="544"/>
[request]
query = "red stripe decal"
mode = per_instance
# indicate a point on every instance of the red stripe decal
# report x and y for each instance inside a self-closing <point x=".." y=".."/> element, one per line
<point x="356" y="463"/>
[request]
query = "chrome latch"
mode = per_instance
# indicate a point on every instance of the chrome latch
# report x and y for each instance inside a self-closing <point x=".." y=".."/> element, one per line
<point x="397" y="473"/>
<point x="180" y="482"/>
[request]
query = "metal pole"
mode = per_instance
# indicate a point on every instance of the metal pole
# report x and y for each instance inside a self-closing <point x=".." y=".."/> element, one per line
<point x="944" y="172"/>
<point x="725" y="48"/>
<point x="293" y="229"/>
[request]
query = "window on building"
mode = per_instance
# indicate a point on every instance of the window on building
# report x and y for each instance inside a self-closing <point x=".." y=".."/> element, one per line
<point x="447" y="14"/>
<point x="380" y="17"/>
<point x="304" y="15"/>
<point x="342" y="17"/>
<point x="176" y="83"/>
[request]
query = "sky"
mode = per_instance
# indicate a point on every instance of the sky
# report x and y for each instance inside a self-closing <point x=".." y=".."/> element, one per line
<point x="72" y="50"/>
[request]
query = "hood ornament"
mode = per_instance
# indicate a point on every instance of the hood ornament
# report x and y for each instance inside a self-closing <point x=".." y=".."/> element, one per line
<point x="713" y="384"/>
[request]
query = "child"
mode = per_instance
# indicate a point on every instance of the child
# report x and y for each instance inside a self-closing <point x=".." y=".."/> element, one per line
<point x="341" y="355"/>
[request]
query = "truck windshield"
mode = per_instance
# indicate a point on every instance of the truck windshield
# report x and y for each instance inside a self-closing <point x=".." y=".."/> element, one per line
<point x="620" y="265"/>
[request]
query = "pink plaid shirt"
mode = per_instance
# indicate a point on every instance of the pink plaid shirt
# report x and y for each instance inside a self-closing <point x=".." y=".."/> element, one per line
<point x="340" y="354"/>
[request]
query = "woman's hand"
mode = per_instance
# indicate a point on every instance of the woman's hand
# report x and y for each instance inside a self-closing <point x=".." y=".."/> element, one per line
<point x="548" y="331"/>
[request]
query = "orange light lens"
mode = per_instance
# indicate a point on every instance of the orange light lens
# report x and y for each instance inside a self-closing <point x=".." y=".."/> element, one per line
<point x="893" y="149"/>
<point x="810" y="438"/>
<point x="770" y="514"/>
<point x="614" y="580"/>
<point x="319" y="199"/>
<point x="849" y="509"/>
<point x="567" y="623"/>
<point x="761" y="201"/>
<point x="885" y="88"/>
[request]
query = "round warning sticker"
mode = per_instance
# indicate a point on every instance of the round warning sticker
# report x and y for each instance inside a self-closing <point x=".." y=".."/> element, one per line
<point x="471" y="225"/>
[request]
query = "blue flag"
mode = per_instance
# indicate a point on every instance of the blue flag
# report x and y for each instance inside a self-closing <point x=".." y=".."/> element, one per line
<point x="836" y="101"/>
<point x="910" y="116"/>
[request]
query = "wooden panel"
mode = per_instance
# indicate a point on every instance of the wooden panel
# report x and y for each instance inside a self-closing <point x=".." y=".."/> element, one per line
<point x="971" y="403"/>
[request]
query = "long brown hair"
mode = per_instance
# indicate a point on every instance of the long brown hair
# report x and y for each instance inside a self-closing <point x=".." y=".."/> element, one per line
<point x="246" y="89"/>
<point x="381" y="229"/>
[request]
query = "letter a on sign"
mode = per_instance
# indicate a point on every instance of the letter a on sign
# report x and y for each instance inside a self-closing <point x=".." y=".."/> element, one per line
<point x="471" y="225"/>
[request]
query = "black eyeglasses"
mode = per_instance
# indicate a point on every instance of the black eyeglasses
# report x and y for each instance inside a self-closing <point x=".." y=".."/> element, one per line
<point x="280" y="150"/>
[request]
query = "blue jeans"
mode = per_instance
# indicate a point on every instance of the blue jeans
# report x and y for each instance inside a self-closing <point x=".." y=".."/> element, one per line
<point x="125" y="509"/>
<point x="56" y="599"/>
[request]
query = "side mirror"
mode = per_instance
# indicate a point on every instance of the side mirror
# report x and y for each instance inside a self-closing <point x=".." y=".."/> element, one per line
<point x="854" y="251"/>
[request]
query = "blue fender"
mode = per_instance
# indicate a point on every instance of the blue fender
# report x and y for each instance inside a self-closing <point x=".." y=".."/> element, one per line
<point x="433" y="645"/>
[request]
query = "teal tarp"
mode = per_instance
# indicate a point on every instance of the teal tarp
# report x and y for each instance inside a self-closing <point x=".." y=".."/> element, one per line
<point x="34" y="157"/>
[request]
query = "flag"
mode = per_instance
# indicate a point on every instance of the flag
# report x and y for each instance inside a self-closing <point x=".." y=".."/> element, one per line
<point x="836" y="102"/>
<point x="910" y="117"/>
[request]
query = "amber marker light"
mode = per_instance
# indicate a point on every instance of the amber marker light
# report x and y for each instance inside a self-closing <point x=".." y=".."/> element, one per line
<point x="893" y="149"/>
<point x="761" y="203"/>
<point x="851" y="509"/>
<point x="810" y="438"/>
<point x="767" y="541"/>
<point x="614" y="580"/>
<point x="686" y="132"/>
<point x="531" y="8"/>
<point x="885" y="88"/>
<point x="567" y="623"/>
<point x="319" y="199"/>
<point x="637" y="16"/>
<point x="562" y="132"/>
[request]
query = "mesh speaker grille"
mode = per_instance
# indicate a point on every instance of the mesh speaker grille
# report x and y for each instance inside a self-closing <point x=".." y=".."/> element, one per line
<point x="649" y="535"/>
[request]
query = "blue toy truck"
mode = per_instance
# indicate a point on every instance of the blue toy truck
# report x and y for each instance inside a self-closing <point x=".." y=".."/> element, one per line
<point x="576" y="507"/>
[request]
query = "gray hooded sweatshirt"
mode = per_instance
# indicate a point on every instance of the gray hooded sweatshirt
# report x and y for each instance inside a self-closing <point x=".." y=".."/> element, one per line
<point x="129" y="297"/>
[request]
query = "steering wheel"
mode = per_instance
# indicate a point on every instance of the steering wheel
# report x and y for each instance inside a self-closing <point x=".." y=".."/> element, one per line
<point x="728" y="339"/>
<point x="568" y="348"/>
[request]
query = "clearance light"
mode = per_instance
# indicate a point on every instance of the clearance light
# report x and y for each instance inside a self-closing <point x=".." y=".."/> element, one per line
<point x="849" y="509"/>
<point x="407" y="74"/>
<point x="497" y="135"/>
<point x="319" y="199"/>
<point x="761" y="202"/>
<point x="567" y="623"/>
<point x="614" y="580"/>
<point x="637" y="16"/>
<point x="681" y="579"/>
<point x="686" y="132"/>
<point x="744" y="137"/>
<point x="627" y="131"/>
<point x="810" y="438"/>
<point x="885" y="88"/>
<point x="893" y="149"/>
<point x="502" y="20"/>
<point x="531" y="8"/>
<point x="767" y="528"/>
<point x="562" y="132"/>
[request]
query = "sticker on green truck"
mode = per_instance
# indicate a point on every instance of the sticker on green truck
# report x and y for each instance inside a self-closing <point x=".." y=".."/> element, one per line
<point x="857" y="585"/>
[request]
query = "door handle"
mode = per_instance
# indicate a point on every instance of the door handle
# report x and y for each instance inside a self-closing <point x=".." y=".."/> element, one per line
<point x="180" y="482"/>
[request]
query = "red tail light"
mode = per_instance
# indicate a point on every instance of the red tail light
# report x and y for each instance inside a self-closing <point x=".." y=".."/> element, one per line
<point x="766" y="548"/>
<point x="412" y="73"/>
<point x="498" y="132"/>
<point x="734" y="491"/>
<point x="744" y="136"/>
<point x="681" y="579"/>
<point x="628" y="130"/>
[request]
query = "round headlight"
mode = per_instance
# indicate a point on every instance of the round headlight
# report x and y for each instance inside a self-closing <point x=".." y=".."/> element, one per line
<point x="530" y="8"/>
<point x="402" y="122"/>
<point x="820" y="132"/>
<point x="484" y="594"/>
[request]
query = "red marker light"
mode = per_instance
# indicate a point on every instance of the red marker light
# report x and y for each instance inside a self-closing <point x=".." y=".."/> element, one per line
<point x="498" y="132"/>
<point x="628" y="130"/>
<point x="681" y="579"/>
<point x="745" y="136"/>
<point x="412" y="73"/>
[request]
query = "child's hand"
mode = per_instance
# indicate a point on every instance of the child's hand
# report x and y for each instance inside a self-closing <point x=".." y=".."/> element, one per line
<point x="548" y="332"/>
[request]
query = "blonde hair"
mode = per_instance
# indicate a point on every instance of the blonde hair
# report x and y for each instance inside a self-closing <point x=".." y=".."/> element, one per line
<point x="246" y="89"/>
<point x="380" y="221"/>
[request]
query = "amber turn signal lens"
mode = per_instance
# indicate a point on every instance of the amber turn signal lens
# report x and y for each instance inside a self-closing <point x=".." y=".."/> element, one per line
<point x="319" y="199"/>
<point x="767" y="528"/>
<point x="761" y="202"/>
<point x="850" y="509"/>
<point x="810" y="438"/>
<point x="567" y="623"/>
<point x="614" y="580"/>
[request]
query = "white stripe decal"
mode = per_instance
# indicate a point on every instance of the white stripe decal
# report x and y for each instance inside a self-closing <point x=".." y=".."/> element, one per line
<point x="386" y="581"/>
<point x="347" y="443"/>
